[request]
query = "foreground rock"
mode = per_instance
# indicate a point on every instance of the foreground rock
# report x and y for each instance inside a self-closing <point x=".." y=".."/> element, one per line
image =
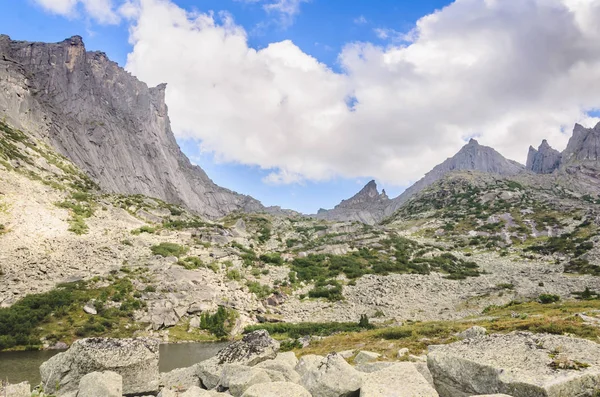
<point x="101" y="384"/>
<point x="520" y="364"/>
<point x="333" y="377"/>
<point x="18" y="390"/>
<point x="254" y="348"/>
<point x="135" y="360"/>
<point x="276" y="389"/>
<point x="398" y="380"/>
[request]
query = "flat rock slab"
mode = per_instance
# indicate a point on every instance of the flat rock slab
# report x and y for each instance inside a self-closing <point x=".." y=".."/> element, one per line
<point x="333" y="377"/>
<point x="101" y="384"/>
<point x="18" y="390"/>
<point x="398" y="380"/>
<point x="520" y="364"/>
<point x="276" y="389"/>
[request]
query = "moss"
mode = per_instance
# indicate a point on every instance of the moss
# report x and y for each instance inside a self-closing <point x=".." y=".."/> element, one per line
<point x="168" y="249"/>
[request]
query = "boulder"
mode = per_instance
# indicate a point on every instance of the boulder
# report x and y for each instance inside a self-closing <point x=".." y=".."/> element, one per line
<point x="136" y="360"/>
<point x="333" y="377"/>
<point x="308" y="363"/>
<point x="288" y="358"/>
<point x="19" y="390"/>
<point x="403" y="352"/>
<point x="373" y="367"/>
<point x="276" y="389"/>
<point x="520" y="364"/>
<point x="346" y="353"/>
<point x="237" y="378"/>
<point x="254" y="348"/>
<point x="364" y="357"/>
<point x="473" y="332"/>
<point x="101" y="384"/>
<point x="180" y="379"/>
<point x="287" y="371"/>
<point x="398" y="380"/>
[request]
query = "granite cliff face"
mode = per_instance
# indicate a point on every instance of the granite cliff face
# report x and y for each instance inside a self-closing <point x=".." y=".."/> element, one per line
<point x="544" y="160"/>
<point x="472" y="157"/>
<point x="107" y="122"/>
<point x="367" y="206"/>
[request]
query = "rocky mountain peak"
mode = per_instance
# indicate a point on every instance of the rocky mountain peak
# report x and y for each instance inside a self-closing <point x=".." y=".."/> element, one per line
<point x="107" y="122"/>
<point x="544" y="160"/>
<point x="584" y="146"/>
<point x="473" y="142"/>
<point x="368" y="194"/>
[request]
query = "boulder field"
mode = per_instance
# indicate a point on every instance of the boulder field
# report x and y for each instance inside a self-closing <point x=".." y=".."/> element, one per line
<point x="518" y="364"/>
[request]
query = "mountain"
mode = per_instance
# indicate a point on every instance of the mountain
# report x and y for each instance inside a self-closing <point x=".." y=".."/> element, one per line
<point x="366" y="206"/>
<point x="472" y="157"/>
<point x="544" y="160"/>
<point x="107" y="122"/>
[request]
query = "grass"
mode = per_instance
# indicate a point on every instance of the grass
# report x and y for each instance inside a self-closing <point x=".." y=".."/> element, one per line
<point x="191" y="263"/>
<point x="557" y="318"/>
<point x="168" y="249"/>
<point x="144" y="229"/>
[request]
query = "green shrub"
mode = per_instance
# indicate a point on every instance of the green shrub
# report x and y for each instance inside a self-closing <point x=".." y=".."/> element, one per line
<point x="219" y="323"/>
<point x="261" y="291"/>
<point x="234" y="274"/>
<point x="168" y="249"/>
<point x="144" y="229"/>
<point x="582" y="266"/>
<point x="328" y="289"/>
<point x="273" y="258"/>
<point x="191" y="263"/>
<point x="548" y="298"/>
<point x="302" y="329"/>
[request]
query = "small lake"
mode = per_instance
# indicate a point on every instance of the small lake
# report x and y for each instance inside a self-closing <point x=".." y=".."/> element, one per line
<point x="17" y="367"/>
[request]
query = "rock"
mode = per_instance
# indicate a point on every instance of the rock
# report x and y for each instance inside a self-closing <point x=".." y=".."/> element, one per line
<point x="333" y="377"/>
<point x="101" y="384"/>
<point x="473" y="332"/>
<point x="288" y="358"/>
<point x="413" y="358"/>
<point x="424" y="371"/>
<point x="276" y="389"/>
<point x="194" y="391"/>
<point x="136" y="360"/>
<point x="520" y="364"/>
<point x="181" y="378"/>
<point x="308" y="363"/>
<point x="19" y="390"/>
<point x="403" y="352"/>
<point x="90" y="308"/>
<point x="287" y="371"/>
<point x="195" y="322"/>
<point x="59" y="346"/>
<point x="398" y="380"/>
<point x="364" y="357"/>
<point x="237" y="378"/>
<point x="544" y="160"/>
<point x="373" y="367"/>
<point x="254" y="348"/>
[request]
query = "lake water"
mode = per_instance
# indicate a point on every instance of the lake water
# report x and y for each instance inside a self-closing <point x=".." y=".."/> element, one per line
<point x="17" y="367"/>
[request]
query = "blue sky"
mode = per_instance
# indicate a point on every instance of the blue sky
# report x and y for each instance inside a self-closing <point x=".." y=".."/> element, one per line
<point x="338" y="93"/>
<point x="321" y="29"/>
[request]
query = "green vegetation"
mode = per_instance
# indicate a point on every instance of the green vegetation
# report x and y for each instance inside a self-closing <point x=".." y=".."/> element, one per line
<point x="219" y="323"/>
<point x="261" y="291"/>
<point x="168" y="249"/>
<point x="272" y="258"/>
<point x="81" y="207"/>
<point x="234" y="274"/>
<point x="58" y="314"/>
<point x="548" y="298"/>
<point x="587" y="294"/>
<point x="582" y="266"/>
<point x="290" y="330"/>
<point x="144" y="229"/>
<point x="191" y="263"/>
<point x="328" y="289"/>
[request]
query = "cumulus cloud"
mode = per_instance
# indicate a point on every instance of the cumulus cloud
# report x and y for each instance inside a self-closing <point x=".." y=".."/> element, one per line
<point x="101" y="11"/>
<point x="509" y="72"/>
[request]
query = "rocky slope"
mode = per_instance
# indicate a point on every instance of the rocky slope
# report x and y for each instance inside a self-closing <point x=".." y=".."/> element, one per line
<point x="111" y="125"/>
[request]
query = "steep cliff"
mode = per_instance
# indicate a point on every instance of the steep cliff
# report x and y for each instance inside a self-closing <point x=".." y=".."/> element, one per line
<point x="107" y="122"/>
<point x="544" y="160"/>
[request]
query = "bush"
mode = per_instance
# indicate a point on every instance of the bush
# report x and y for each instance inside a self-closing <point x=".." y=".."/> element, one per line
<point x="261" y="291"/>
<point x="220" y="323"/>
<point x="302" y="329"/>
<point x="328" y="289"/>
<point x="548" y="298"/>
<point x="273" y="258"/>
<point x="168" y="249"/>
<point x="191" y="263"/>
<point x="144" y="229"/>
<point x="234" y="274"/>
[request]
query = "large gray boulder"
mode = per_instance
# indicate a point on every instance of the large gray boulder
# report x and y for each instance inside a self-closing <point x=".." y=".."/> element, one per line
<point x="333" y="377"/>
<point x="520" y="364"/>
<point x="398" y="380"/>
<point x="136" y="360"/>
<point x="287" y="371"/>
<point x="276" y="389"/>
<point x="101" y="384"/>
<point x="308" y="363"/>
<point x="180" y="378"/>
<point x="19" y="390"/>
<point x="237" y="378"/>
<point x="254" y="348"/>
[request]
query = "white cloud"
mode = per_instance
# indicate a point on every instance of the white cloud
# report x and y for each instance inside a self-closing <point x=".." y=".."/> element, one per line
<point x="361" y="20"/>
<point x="287" y="9"/>
<point x="102" y="11"/>
<point x="511" y="72"/>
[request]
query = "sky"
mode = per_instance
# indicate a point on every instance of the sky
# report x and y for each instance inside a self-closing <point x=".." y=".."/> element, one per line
<point x="299" y="103"/>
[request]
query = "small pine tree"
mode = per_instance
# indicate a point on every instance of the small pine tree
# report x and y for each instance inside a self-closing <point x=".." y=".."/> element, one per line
<point x="364" y="321"/>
